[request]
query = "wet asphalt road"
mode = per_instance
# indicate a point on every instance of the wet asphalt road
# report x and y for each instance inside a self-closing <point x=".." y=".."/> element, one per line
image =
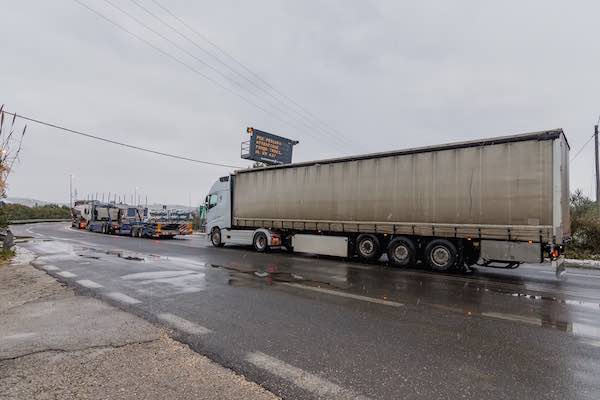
<point x="308" y="327"/>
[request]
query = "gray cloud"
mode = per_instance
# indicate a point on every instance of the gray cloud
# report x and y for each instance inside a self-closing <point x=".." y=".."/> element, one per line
<point x="386" y="74"/>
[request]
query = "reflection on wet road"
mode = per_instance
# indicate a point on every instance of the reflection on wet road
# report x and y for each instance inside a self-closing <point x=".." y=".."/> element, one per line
<point x="374" y="330"/>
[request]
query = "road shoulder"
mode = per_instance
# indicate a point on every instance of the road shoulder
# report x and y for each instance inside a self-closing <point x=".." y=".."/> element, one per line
<point x="56" y="344"/>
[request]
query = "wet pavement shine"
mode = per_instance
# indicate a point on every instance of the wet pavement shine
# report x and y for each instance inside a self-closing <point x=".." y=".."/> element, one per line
<point x="310" y="327"/>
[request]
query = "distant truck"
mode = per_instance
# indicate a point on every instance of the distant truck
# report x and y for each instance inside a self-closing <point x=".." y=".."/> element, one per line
<point x="122" y="219"/>
<point x="142" y="222"/>
<point x="105" y="218"/>
<point x="496" y="202"/>
<point x="81" y="214"/>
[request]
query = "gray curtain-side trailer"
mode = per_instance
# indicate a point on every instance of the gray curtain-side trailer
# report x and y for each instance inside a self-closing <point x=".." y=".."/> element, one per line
<point x="498" y="200"/>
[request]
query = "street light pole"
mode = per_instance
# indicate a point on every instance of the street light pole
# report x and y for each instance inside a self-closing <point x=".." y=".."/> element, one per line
<point x="70" y="190"/>
<point x="596" y="171"/>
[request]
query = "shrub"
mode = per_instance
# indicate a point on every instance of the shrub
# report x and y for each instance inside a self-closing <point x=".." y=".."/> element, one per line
<point x="12" y="212"/>
<point x="585" y="228"/>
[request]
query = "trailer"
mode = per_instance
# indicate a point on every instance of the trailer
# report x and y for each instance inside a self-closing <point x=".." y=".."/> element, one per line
<point x="500" y="201"/>
<point x="141" y="222"/>
<point x="104" y="218"/>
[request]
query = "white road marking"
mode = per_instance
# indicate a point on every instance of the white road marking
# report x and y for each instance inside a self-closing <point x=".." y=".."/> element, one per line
<point x="37" y="263"/>
<point x="19" y="336"/>
<point x="591" y="342"/>
<point x="343" y="294"/>
<point x="183" y="324"/>
<point x="50" y="267"/>
<point x="512" y="317"/>
<point x="322" y="388"/>
<point x="67" y="274"/>
<point x="123" y="298"/>
<point x="89" y="284"/>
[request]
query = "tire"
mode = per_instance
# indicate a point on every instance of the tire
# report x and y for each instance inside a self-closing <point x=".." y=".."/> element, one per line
<point x="402" y="252"/>
<point x="368" y="247"/>
<point x="215" y="237"/>
<point x="260" y="242"/>
<point x="441" y="254"/>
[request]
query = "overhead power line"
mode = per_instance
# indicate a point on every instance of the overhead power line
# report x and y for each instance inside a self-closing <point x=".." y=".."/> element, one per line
<point x="185" y="64"/>
<point x="581" y="149"/>
<point x="282" y="106"/>
<point x="200" y="60"/>
<point x="130" y="146"/>
<point x="188" y="66"/>
<point x="248" y="70"/>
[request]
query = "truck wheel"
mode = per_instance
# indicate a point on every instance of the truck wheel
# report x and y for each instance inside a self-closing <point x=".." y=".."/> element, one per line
<point x="367" y="247"/>
<point x="402" y="252"/>
<point x="215" y="237"/>
<point x="260" y="242"/>
<point x="440" y="254"/>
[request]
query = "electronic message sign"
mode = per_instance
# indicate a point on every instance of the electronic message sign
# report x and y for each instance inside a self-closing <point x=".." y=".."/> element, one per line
<point x="268" y="148"/>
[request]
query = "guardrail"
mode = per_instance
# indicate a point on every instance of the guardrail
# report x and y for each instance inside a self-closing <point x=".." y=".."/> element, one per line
<point x="37" y="221"/>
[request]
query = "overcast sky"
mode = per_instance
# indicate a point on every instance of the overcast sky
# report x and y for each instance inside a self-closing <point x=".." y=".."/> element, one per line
<point x="382" y="74"/>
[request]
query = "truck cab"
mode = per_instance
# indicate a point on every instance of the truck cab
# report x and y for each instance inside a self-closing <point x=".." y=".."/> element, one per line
<point x="219" y="227"/>
<point x="218" y="207"/>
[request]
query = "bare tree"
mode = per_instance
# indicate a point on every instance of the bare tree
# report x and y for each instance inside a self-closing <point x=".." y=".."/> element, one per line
<point x="11" y="139"/>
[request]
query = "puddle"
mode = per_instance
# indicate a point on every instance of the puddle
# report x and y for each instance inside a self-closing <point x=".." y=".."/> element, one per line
<point x="254" y="277"/>
<point x="124" y="255"/>
<point x="176" y="281"/>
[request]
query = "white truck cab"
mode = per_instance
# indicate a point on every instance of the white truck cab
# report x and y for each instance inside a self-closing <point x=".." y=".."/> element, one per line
<point x="218" y="205"/>
<point x="218" y="221"/>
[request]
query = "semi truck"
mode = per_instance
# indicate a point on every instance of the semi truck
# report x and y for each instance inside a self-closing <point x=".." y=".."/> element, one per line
<point x="135" y="221"/>
<point x="499" y="202"/>
<point x="104" y="218"/>
<point x="81" y="214"/>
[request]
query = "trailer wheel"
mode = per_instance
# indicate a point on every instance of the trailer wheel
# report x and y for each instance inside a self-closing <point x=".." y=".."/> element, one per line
<point x="402" y="252"/>
<point x="367" y="247"/>
<point x="260" y="242"/>
<point x="215" y="237"/>
<point x="441" y="254"/>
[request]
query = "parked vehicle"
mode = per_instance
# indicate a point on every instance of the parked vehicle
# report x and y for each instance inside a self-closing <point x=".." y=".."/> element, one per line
<point x="496" y="202"/>
<point x="105" y="218"/>
<point x="122" y="219"/>
<point x="81" y="213"/>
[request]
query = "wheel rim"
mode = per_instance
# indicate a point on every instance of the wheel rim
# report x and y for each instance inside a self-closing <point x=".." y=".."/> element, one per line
<point x="216" y="237"/>
<point x="401" y="253"/>
<point x="440" y="256"/>
<point x="261" y="242"/>
<point x="367" y="247"/>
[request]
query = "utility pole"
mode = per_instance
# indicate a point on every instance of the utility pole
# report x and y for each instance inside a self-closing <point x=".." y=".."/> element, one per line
<point x="597" y="175"/>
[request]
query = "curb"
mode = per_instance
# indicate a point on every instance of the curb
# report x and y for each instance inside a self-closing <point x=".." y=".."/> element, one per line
<point x="582" y="264"/>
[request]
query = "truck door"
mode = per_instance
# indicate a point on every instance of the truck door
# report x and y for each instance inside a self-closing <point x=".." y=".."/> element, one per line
<point x="218" y="211"/>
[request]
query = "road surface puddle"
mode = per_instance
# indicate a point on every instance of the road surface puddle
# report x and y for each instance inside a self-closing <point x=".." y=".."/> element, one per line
<point x="266" y="276"/>
<point x="168" y="282"/>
